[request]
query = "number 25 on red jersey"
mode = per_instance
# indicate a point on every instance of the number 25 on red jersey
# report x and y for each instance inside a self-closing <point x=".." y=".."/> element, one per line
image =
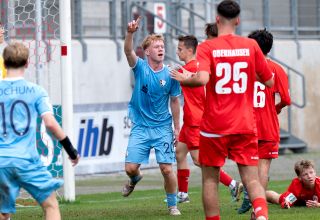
<point x="231" y="72"/>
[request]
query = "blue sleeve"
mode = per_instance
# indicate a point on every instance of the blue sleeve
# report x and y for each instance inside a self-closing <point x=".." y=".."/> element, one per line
<point x="43" y="104"/>
<point x="137" y="69"/>
<point x="175" y="89"/>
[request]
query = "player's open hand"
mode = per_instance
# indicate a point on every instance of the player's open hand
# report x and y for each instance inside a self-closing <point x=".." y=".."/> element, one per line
<point x="312" y="204"/>
<point x="133" y="25"/>
<point x="75" y="161"/>
<point x="177" y="75"/>
<point x="285" y="205"/>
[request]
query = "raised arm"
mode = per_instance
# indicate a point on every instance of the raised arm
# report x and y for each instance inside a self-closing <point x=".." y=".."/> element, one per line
<point x="128" y="42"/>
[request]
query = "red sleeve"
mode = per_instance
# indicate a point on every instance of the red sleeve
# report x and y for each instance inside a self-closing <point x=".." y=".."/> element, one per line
<point x="204" y="57"/>
<point x="282" y="86"/>
<point x="262" y="68"/>
<point x="293" y="188"/>
<point x="192" y="67"/>
<point x="318" y="188"/>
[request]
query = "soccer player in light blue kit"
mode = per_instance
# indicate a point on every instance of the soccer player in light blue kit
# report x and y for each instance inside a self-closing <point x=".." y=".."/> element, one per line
<point x="20" y="166"/>
<point x="149" y="112"/>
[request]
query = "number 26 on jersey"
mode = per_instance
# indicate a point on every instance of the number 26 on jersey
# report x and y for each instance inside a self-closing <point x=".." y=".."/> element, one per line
<point x="259" y="96"/>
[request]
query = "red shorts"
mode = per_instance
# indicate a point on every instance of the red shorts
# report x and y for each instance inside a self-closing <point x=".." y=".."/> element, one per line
<point x="242" y="148"/>
<point x="190" y="135"/>
<point x="268" y="149"/>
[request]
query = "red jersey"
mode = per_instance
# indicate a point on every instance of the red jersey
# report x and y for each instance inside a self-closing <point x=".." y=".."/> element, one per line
<point x="194" y="99"/>
<point x="232" y="62"/>
<point x="264" y="103"/>
<point x="302" y="194"/>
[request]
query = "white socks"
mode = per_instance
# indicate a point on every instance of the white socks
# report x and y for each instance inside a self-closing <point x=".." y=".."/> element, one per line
<point x="233" y="184"/>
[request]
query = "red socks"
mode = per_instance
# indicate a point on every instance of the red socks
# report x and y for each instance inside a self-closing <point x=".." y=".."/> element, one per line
<point x="183" y="180"/>
<point x="217" y="217"/>
<point x="260" y="207"/>
<point x="225" y="179"/>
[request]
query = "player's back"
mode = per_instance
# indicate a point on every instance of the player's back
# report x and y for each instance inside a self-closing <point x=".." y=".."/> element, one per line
<point x="20" y="104"/>
<point x="233" y="62"/>
<point x="266" y="115"/>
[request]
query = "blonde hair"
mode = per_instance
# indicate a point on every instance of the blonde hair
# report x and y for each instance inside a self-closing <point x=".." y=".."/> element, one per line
<point x="149" y="39"/>
<point x="301" y="165"/>
<point x="15" y="55"/>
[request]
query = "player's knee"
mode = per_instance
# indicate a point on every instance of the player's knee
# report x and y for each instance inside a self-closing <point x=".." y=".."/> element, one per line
<point x="179" y="153"/>
<point x="166" y="170"/>
<point x="4" y="216"/>
<point x="131" y="170"/>
<point x="179" y="157"/>
<point x="50" y="203"/>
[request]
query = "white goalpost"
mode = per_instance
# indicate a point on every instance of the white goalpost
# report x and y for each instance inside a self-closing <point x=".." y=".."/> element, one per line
<point x="67" y="99"/>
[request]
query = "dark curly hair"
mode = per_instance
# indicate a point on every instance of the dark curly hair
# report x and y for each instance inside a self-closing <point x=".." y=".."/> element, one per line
<point x="264" y="38"/>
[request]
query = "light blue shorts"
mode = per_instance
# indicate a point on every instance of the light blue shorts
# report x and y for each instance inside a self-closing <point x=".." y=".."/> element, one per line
<point x="142" y="139"/>
<point x="37" y="181"/>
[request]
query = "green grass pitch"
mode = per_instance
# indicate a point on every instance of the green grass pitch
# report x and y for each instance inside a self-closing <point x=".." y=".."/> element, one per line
<point x="148" y="204"/>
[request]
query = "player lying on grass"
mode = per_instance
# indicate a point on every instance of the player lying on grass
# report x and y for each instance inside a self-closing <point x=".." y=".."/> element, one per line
<point x="304" y="190"/>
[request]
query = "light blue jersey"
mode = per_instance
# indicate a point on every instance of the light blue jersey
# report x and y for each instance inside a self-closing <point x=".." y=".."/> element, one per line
<point x="21" y="102"/>
<point x="149" y="104"/>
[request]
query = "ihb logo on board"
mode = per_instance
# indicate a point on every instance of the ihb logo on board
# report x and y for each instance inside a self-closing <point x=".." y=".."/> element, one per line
<point x="94" y="139"/>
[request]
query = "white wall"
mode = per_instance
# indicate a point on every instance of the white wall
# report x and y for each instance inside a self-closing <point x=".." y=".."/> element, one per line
<point x="306" y="121"/>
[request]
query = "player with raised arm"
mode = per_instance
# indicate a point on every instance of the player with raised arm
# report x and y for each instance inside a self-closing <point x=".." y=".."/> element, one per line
<point x="266" y="112"/>
<point x="304" y="190"/>
<point x="228" y="66"/>
<point x="21" y="102"/>
<point x="194" y="101"/>
<point x="149" y="113"/>
<point x="3" y="71"/>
